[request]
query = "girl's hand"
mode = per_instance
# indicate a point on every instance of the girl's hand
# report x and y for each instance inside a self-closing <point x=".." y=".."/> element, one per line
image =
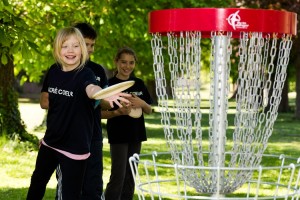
<point x="118" y="99"/>
<point x="125" y="110"/>
<point x="136" y="102"/>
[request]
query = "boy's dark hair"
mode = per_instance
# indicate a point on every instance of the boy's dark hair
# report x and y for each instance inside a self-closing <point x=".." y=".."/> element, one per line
<point x="86" y="30"/>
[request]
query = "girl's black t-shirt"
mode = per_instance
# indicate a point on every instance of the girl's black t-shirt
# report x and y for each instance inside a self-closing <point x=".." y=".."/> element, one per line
<point x="70" y="117"/>
<point x="102" y="81"/>
<point x="125" y="129"/>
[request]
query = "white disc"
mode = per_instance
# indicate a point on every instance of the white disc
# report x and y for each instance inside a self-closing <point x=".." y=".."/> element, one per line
<point x="112" y="90"/>
<point x="136" y="112"/>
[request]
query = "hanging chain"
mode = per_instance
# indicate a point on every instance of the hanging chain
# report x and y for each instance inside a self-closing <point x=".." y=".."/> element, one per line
<point x="261" y="75"/>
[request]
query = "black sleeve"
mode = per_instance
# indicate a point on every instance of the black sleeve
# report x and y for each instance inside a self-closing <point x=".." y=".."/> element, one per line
<point x="45" y="82"/>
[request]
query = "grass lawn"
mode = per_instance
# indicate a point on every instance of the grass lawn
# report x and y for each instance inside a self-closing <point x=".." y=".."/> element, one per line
<point x="17" y="162"/>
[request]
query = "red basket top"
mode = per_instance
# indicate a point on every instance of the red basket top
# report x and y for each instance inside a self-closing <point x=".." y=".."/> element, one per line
<point x="233" y="20"/>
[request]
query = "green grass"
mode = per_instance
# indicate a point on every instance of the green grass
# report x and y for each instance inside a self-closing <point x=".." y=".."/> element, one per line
<point x="17" y="162"/>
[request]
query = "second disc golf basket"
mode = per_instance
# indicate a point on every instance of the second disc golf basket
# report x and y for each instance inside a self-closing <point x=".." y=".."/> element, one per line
<point x="210" y="157"/>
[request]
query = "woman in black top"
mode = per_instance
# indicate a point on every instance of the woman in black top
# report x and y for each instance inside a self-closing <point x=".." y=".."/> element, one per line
<point x="125" y="133"/>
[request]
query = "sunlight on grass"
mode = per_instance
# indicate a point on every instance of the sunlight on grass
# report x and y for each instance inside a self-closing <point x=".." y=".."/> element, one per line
<point x="162" y="177"/>
<point x="17" y="164"/>
<point x="17" y="160"/>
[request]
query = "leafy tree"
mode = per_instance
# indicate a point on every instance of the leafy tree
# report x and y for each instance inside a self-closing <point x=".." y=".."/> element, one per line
<point x="294" y="69"/>
<point x="125" y="24"/>
<point x="27" y="29"/>
<point x="11" y="43"/>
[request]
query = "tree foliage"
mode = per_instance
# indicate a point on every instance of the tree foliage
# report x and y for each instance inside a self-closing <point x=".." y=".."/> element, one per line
<point x="118" y="23"/>
<point x="10" y="42"/>
<point x="28" y="27"/>
<point x="294" y="64"/>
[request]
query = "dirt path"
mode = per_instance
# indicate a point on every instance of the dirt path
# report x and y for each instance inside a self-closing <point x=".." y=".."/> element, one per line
<point x="31" y="114"/>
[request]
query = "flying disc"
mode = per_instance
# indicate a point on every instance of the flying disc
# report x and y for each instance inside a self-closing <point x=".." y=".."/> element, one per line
<point x="136" y="112"/>
<point x="112" y="90"/>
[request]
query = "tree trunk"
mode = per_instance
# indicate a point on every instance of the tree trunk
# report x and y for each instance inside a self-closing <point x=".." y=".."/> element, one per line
<point x="297" y="110"/>
<point x="284" y="103"/>
<point x="10" y="118"/>
<point x="152" y="90"/>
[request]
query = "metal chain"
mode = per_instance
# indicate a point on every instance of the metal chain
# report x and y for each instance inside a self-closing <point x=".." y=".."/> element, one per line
<point x="260" y="81"/>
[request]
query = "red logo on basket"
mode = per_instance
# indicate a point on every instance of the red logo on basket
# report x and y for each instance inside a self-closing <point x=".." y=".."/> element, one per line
<point x="234" y="20"/>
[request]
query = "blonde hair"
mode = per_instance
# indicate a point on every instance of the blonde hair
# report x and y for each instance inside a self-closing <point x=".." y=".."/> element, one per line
<point x="62" y="35"/>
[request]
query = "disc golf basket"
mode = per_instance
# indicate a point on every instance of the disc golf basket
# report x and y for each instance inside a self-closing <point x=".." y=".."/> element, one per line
<point x="202" y="163"/>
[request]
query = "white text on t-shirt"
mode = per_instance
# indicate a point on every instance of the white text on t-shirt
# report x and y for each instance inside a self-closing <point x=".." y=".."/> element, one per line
<point x="60" y="92"/>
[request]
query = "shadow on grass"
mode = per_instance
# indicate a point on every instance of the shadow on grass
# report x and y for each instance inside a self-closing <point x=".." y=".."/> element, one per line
<point x="285" y="135"/>
<point x="20" y="193"/>
<point x="286" y="127"/>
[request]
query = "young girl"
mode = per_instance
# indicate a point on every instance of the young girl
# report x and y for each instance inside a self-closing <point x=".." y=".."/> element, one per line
<point x="70" y="117"/>
<point x="125" y="133"/>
